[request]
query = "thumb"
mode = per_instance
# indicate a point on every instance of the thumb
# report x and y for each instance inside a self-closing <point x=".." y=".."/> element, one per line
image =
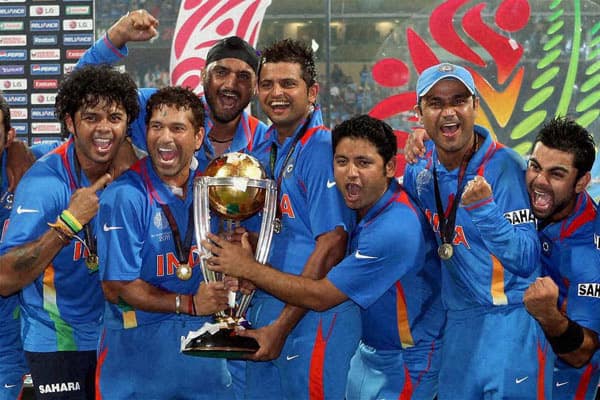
<point x="246" y="241"/>
<point x="101" y="182"/>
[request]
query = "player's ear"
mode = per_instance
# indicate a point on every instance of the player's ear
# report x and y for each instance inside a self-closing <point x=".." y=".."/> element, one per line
<point x="583" y="182"/>
<point x="70" y="124"/>
<point x="199" y="138"/>
<point x="390" y="168"/>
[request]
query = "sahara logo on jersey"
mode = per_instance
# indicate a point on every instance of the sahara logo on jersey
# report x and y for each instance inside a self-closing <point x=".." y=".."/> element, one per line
<point x="59" y="387"/>
<point x="588" y="290"/>
<point x="517" y="217"/>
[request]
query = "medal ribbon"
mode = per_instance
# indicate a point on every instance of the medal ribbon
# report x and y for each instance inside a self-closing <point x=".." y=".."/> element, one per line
<point x="447" y="220"/>
<point x="183" y="248"/>
<point x="88" y="238"/>
<point x="273" y="160"/>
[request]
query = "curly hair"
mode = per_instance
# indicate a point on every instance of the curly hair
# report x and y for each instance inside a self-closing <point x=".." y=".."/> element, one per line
<point x="91" y="85"/>
<point x="380" y="134"/>
<point x="293" y="51"/>
<point x="179" y="98"/>
<point x="5" y="109"/>
<point x="564" y="134"/>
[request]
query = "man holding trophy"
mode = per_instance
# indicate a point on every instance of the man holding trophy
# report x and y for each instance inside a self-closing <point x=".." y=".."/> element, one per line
<point x="393" y="274"/>
<point x="149" y="266"/>
<point x="310" y="238"/>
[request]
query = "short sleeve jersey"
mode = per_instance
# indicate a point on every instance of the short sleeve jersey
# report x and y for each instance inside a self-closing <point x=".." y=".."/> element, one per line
<point x="391" y="270"/>
<point x="136" y="240"/>
<point x="62" y="308"/>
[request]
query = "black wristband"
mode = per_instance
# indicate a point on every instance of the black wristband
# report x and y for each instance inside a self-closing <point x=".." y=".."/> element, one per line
<point x="570" y="340"/>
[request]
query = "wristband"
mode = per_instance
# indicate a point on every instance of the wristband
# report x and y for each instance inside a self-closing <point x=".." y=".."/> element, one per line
<point x="70" y="220"/>
<point x="62" y="236"/>
<point x="570" y="340"/>
<point x="62" y="228"/>
<point x="178" y="304"/>
<point x="192" y="306"/>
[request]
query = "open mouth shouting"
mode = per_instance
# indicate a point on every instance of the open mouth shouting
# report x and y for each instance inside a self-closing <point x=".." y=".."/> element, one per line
<point x="450" y="129"/>
<point x="541" y="202"/>
<point x="229" y="99"/>
<point x="353" y="191"/>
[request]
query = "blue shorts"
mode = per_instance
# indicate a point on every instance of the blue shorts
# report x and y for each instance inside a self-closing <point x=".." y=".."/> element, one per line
<point x="146" y="363"/>
<point x="495" y="353"/>
<point x="12" y="358"/>
<point x="63" y="374"/>
<point x="315" y="359"/>
<point x="576" y="383"/>
<point x="385" y="374"/>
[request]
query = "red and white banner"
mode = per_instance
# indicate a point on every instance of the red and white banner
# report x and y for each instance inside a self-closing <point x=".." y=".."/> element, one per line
<point x="200" y="24"/>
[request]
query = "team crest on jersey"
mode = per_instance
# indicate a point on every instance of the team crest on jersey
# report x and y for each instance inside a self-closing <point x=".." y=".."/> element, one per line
<point x="517" y="217"/>
<point x="288" y="169"/>
<point x="546" y="246"/>
<point x="588" y="290"/>
<point x="159" y="220"/>
<point x="6" y="200"/>
<point x="423" y="179"/>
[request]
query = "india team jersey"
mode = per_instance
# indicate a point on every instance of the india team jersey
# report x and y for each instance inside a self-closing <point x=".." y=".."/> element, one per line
<point x="309" y="201"/>
<point x="104" y="52"/>
<point x="571" y="260"/>
<point x="12" y="359"/>
<point x="392" y="273"/>
<point x="496" y="249"/>
<point x="62" y="308"/>
<point x="136" y="241"/>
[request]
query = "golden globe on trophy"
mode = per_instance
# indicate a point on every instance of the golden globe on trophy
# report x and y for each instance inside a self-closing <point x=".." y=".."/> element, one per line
<point x="234" y="187"/>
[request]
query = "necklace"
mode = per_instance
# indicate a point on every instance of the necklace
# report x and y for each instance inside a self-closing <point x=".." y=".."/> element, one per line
<point x="212" y="139"/>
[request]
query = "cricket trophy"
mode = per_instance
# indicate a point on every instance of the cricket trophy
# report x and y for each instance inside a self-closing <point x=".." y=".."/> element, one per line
<point x="234" y="187"/>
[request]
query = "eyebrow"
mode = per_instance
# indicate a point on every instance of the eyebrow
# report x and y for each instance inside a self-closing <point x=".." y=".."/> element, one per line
<point x="552" y="168"/>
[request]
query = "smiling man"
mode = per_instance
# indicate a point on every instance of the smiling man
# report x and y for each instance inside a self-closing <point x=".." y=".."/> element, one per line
<point x="472" y="190"/>
<point x="566" y="301"/>
<point x="311" y="236"/>
<point x="49" y="249"/>
<point x="390" y="270"/>
<point x="147" y="234"/>
<point x="228" y="80"/>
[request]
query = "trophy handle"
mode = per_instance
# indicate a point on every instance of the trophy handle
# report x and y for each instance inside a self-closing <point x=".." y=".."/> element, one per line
<point x="202" y="224"/>
<point x="265" y="236"/>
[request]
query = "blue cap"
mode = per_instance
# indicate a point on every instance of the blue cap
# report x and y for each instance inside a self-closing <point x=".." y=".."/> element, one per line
<point x="436" y="73"/>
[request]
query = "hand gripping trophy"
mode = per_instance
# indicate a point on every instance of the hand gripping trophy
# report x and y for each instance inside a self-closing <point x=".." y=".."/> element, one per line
<point x="234" y="187"/>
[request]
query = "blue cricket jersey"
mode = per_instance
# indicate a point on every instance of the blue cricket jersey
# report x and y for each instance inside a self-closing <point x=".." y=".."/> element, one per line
<point x="496" y="249"/>
<point x="62" y="308"/>
<point x="570" y="258"/>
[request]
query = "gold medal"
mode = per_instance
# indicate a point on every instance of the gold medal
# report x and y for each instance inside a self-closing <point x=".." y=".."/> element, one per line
<point x="91" y="262"/>
<point x="184" y="272"/>
<point x="445" y="251"/>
